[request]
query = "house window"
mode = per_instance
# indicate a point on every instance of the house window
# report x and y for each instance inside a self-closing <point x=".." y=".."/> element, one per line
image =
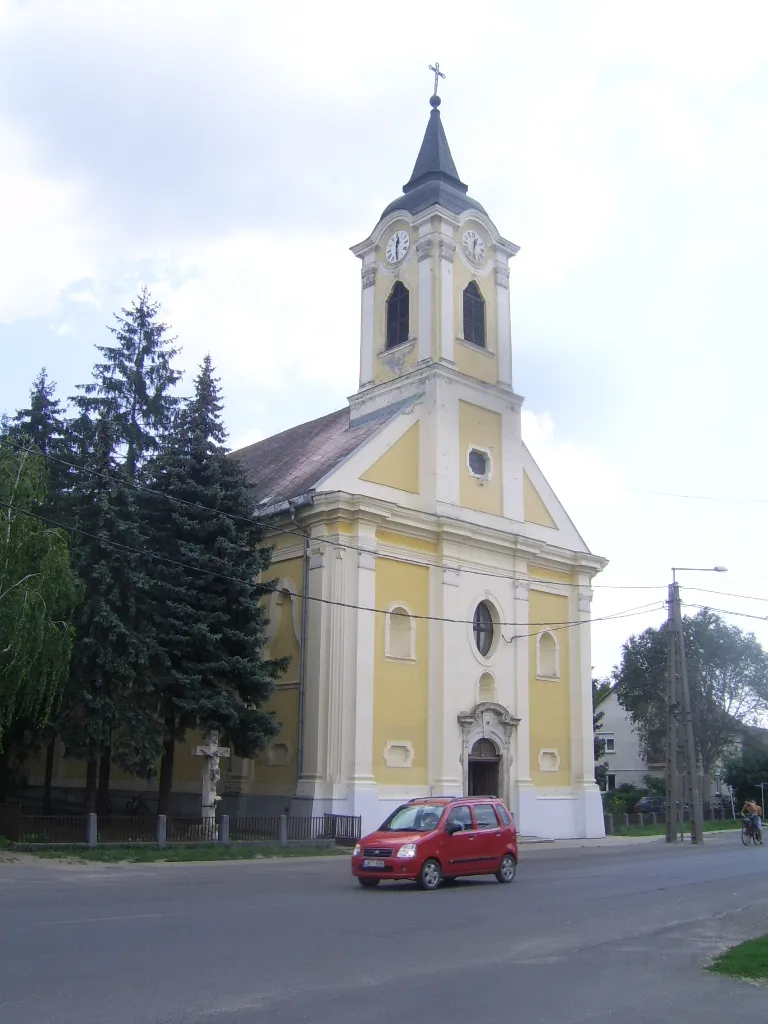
<point x="397" y="315"/>
<point x="610" y="783"/>
<point x="547" y="656"/>
<point x="483" y="628"/>
<point x="474" y="315"/>
<point x="610" y="745"/>
<point x="400" y="634"/>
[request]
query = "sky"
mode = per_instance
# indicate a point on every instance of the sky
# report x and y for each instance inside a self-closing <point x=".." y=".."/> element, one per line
<point x="221" y="153"/>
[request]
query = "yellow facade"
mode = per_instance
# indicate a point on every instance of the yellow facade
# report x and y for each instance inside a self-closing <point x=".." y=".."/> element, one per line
<point x="398" y="467"/>
<point x="400" y="694"/>
<point x="534" y="509"/>
<point x="480" y="428"/>
<point x="401" y="540"/>
<point x="549" y="699"/>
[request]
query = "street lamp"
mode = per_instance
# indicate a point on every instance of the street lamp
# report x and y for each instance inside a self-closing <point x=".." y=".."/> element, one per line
<point x="679" y="702"/>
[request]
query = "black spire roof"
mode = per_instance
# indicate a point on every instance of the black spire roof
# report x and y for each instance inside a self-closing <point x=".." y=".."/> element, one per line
<point x="434" y="178"/>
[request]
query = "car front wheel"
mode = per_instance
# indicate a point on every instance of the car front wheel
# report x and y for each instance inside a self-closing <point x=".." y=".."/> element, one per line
<point x="430" y="875"/>
<point x="368" y="883"/>
<point x="507" y="869"/>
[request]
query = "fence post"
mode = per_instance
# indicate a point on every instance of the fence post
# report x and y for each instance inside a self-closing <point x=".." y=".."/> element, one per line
<point x="224" y="829"/>
<point x="609" y="824"/>
<point x="642" y="820"/>
<point x="282" y="830"/>
<point x="160" y="831"/>
<point x="626" y="821"/>
<point x="92" y="830"/>
<point x="653" y="817"/>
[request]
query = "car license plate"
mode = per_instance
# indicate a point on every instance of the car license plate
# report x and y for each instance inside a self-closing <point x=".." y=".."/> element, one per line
<point x="373" y="863"/>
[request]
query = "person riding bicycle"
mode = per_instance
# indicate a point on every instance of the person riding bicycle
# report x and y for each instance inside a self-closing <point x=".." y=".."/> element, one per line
<point x="753" y="813"/>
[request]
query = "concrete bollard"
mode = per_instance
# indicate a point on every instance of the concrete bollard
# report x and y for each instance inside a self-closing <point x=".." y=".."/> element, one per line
<point x="224" y="829"/>
<point x="282" y="830"/>
<point x="653" y="817"/>
<point x="609" y="824"/>
<point x="626" y="821"/>
<point x="641" y="816"/>
<point x="160" y="831"/>
<point x="92" y="830"/>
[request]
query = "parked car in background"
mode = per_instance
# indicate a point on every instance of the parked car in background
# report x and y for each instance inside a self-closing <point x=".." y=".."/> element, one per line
<point x="435" y="838"/>
<point x="651" y="805"/>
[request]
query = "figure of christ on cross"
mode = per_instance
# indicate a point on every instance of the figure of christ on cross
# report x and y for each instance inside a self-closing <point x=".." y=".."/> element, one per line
<point x="211" y="751"/>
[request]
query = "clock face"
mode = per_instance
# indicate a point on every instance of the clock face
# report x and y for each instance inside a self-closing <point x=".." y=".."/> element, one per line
<point x="397" y="246"/>
<point x="474" y="246"/>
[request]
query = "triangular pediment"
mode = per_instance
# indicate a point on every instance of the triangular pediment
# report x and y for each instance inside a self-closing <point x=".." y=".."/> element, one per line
<point x="398" y="467"/>
<point x="534" y="508"/>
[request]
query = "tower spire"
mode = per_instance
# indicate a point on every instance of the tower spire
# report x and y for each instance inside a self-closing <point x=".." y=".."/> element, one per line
<point x="434" y="162"/>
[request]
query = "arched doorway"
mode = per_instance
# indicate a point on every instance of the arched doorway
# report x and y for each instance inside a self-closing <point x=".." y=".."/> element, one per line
<point x="483" y="774"/>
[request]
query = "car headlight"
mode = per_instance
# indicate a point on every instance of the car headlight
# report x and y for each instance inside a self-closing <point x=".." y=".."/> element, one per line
<point x="356" y="851"/>
<point x="407" y="851"/>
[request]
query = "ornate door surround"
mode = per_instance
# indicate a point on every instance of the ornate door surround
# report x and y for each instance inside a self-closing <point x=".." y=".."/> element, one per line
<point x="494" y="722"/>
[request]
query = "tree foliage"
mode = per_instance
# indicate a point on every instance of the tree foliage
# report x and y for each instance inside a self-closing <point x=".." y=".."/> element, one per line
<point x="207" y="615"/>
<point x="37" y="591"/>
<point x="600" y="690"/>
<point x="745" y="770"/>
<point x="727" y="677"/>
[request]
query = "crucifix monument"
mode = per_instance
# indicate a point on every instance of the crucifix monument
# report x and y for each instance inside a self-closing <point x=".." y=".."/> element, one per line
<point x="211" y="751"/>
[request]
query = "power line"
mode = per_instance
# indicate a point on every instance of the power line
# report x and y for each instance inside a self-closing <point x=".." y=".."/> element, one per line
<point x="321" y="600"/>
<point x="271" y="526"/>
<point x="725" y="593"/>
<point x="701" y="497"/>
<point x="725" y="611"/>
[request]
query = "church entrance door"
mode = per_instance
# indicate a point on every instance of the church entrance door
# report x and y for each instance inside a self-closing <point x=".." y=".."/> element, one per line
<point x="483" y="774"/>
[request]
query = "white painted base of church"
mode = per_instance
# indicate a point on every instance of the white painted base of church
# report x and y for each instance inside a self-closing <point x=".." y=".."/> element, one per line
<point x="574" y="813"/>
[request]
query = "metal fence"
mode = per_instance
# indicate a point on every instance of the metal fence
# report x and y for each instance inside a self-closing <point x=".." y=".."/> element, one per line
<point x="614" y="822"/>
<point x="52" y="829"/>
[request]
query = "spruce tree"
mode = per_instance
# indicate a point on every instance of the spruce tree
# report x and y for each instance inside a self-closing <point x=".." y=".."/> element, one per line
<point x="207" y="613"/>
<point x="125" y="412"/>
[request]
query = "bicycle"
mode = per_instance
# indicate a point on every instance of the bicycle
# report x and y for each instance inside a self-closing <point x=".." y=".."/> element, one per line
<point x="750" y="833"/>
<point x="137" y="808"/>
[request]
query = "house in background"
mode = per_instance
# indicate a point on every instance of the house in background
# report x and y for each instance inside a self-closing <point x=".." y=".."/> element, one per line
<point x="627" y="764"/>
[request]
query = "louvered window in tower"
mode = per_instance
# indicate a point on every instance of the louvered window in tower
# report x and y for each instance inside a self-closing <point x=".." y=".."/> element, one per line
<point x="474" y="315"/>
<point x="397" y="315"/>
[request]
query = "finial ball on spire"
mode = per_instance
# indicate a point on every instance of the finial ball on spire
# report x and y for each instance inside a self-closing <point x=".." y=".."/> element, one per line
<point x="434" y="101"/>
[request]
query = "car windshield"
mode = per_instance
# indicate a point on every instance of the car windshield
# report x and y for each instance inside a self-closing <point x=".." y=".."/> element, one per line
<point x="414" y="818"/>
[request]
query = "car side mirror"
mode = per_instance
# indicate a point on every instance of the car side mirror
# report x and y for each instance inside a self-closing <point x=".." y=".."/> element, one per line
<point x="453" y="827"/>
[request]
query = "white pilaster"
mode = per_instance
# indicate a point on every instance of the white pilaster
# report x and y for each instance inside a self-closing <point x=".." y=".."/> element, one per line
<point x="582" y="732"/>
<point x="424" y="252"/>
<point x="447" y="249"/>
<point x="367" y="322"/>
<point x="512" y="467"/>
<point x="503" y="325"/>
<point x="362" y="777"/>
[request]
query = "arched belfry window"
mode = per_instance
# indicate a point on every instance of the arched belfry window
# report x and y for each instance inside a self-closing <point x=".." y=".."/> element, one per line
<point x="474" y="315"/>
<point x="397" y="315"/>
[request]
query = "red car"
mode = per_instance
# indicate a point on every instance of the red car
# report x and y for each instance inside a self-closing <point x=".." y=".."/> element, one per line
<point x="435" y="838"/>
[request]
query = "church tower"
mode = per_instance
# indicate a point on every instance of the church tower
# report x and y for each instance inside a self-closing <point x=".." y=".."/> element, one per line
<point x="435" y="277"/>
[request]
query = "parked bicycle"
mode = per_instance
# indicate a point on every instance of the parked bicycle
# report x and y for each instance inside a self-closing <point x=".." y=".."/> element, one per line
<point x="750" y="833"/>
<point x="137" y="808"/>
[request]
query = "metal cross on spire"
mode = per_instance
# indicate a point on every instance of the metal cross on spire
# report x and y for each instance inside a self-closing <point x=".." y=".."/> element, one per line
<point x="438" y="75"/>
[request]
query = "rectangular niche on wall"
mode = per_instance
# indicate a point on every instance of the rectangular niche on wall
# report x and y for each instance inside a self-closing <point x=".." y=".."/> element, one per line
<point x="398" y="754"/>
<point x="549" y="760"/>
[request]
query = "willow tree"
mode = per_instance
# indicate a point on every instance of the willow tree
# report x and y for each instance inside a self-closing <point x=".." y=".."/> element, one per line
<point x="37" y="591"/>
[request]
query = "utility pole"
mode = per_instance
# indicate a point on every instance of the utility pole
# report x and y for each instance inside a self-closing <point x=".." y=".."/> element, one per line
<point x="682" y="763"/>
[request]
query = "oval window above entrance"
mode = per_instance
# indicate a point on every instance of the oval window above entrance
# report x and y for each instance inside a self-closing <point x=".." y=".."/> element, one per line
<point x="483" y="628"/>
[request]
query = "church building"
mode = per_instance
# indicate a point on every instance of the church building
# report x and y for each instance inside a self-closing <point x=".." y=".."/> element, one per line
<point x="433" y="594"/>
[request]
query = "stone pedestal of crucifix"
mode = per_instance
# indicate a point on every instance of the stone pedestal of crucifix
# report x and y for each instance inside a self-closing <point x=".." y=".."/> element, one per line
<point x="211" y="751"/>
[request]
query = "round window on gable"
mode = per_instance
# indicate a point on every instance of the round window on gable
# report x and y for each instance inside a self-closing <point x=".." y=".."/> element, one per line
<point x="479" y="463"/>
<point x="483" y="628"/>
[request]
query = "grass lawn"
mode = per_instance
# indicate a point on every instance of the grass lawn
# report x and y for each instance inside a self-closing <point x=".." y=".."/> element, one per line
<point x="749" y="960"/>
<point x="187" y="852"/>
<point x="660" y="830"/>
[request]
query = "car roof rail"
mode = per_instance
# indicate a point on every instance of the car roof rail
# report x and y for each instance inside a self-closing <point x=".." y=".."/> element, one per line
<point x="437" y="796"/>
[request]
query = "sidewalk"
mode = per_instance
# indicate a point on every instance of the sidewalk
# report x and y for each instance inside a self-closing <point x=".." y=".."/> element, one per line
<point x="531" y="843"/>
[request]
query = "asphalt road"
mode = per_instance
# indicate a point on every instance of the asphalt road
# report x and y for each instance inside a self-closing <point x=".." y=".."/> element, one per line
<point x="581" y="935"/>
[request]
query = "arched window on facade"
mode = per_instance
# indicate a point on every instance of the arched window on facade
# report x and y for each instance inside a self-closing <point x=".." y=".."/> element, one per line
<point x="547" y="656"/>
<point x="482" y="625"/>
<point x="400" y="634"/>
<point x="474" y="315"/>
<point x="397" y="315"/>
